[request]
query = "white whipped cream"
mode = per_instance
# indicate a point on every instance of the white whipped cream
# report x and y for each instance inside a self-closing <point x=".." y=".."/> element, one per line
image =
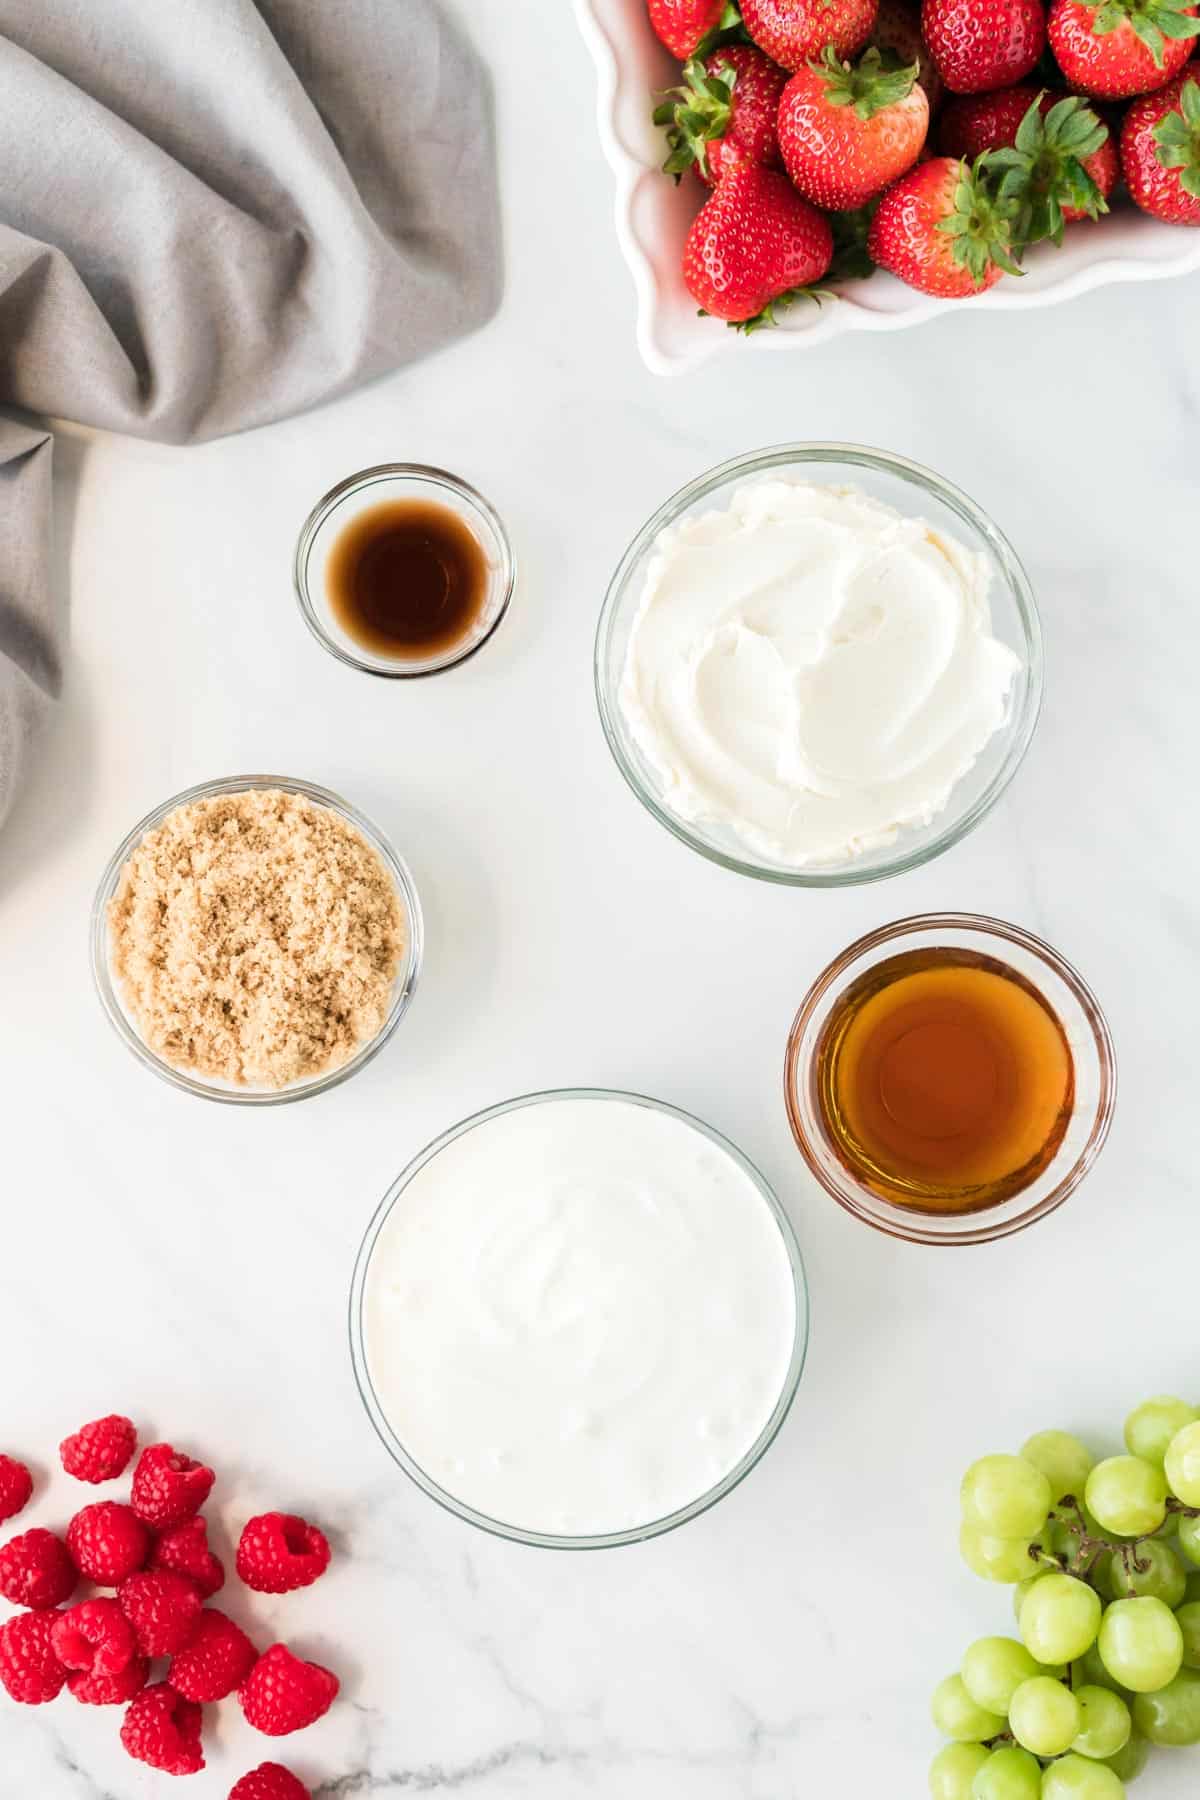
<point x="812" y="670"/>
<point x="579" y="1316"/>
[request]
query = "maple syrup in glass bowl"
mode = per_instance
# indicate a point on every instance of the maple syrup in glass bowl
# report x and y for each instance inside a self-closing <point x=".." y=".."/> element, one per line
<point x="950" y="1079"/>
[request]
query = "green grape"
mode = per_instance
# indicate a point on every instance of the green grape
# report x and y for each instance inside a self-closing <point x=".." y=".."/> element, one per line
<point x="1182" y="1464"/>
<point x="1151" y="1426"/>
<point x="994" y="1668"/>
<point x="1129" y="1762"/>
<point x="1189" y="1539"/>
<point x="1063" y="1460"/>
<point x="1106" y="1722"/>
<point x="953" y="1770"/>
<point x="1008" y="1774"/>
<point x="957" y="1716"/>
<point x="995" y="1558"/>
<point x="1077" y="1778"/>
<point x="1189" y="1623"/>
<point x="1060" y="1619"/>
<point x="1089" y="1671"/>
<point x="1172" y="1714"/>
<point x="1044" y="1716"/>
<point x="1127" y="1495"/>
<point x="1141" y="1644"/>
<point x="1022" y="1588"/>
<point x="1005" y="1496"/>
<point x="1164" y="1580"/>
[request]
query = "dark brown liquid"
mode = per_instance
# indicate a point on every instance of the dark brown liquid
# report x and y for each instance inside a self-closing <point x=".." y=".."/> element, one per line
<point x="407" y="579"/>
<point x="945" y="1081"/>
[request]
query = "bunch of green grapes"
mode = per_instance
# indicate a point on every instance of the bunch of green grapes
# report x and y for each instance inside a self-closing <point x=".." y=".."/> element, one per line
<point x="1105" y="1557"/>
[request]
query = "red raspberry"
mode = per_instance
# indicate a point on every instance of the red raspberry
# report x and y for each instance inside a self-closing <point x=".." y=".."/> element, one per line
<point x="99" y="1451"/>
<point x="218" y="1658"/>
<point x="162" y="1608"/>
<point x="29" y="1669"/>
<point x="270" y="1781"/>
<point x="283" y="1694"/>
<point x="110" y="1690"/>
<point x="163" y="1729"/>
<point x="185" y="1551"/>
<point x="35" y="1570"/>
<point x="108" y="1542"/>
<point x="16" y="1485"/>
<point x="94" y="1636"/>
<point x="168" y="1487"/>
<point x="279" y="1552"/>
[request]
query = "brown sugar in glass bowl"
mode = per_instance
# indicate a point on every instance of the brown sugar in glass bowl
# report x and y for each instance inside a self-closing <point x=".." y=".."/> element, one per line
<point x="255" y="940"/>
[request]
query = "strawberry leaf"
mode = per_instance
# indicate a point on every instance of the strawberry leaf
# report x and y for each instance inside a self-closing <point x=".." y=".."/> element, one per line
<point x="877" y="80"/>
<point x="1177" y="139"/>
<point x="1152" y="20"/>
<point x="1043" y="174"/>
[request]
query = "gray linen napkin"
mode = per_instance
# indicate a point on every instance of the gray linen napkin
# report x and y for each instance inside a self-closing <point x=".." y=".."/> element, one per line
<point x="214" y="213"/>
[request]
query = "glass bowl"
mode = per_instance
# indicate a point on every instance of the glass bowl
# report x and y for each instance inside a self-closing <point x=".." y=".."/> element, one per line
<point x="1087" y="1033"/>
<point x="207" y="1087"/>
<point x="915" y="491"/>
<point x="357" y="494"/>
<point x="514" y="1533"/>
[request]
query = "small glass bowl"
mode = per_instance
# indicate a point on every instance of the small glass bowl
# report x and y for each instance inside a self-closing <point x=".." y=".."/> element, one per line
<point x="1079" y="1014"/>
<point x="357" y="494"/>
<point x="912" y="490"/>
<point x="542" y="1540"/>
<point x="207" y="1087"/>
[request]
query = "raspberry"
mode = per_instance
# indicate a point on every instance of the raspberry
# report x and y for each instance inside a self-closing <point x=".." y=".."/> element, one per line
<point x="110" y="1690"/>
<point x="168" y="1487"/>
<point x="99" y="1451"/>
<point x="185" y="1551"/>
<point x="29" y="1669"/>
<point x="108" y="1542"/>
<point x="283" y="1694"/>
<point x="35" y="1570"/>
<point x="16" y="1485"/>
<point x="278" y="1552"/>
<point x="218" y="1658"/>
<point x="163" y="1729"/>
<point x="270" y="1781"/>
<point x="94" y="1636"/>
<point x="163" y="1610"/>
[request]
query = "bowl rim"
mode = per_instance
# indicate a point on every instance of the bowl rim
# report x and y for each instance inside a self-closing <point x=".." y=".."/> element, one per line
<point x="370" y="477"/>
<point x="603" y="1540"/>
<point x="405" y="980"/>
<point x="896" y="1221"/>
<point x="806" y="454"/>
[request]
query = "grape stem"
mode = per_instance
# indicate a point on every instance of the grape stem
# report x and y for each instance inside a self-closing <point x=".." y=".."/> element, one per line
<point x="1091" y="1548"/>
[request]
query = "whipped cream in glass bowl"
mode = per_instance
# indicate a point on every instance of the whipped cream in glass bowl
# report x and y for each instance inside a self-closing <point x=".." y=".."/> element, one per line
<point x="819" y="665"/>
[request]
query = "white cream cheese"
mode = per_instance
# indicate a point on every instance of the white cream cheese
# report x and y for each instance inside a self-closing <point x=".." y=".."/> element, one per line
<point x="812" y="670"/>
<point x="579" y="1316"/>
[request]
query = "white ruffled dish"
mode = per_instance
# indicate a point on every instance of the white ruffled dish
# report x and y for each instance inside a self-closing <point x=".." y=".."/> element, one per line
<point x="653" y="217"/>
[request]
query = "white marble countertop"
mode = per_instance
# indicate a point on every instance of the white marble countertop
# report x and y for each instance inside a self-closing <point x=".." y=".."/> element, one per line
<point x="190" y="1264"/>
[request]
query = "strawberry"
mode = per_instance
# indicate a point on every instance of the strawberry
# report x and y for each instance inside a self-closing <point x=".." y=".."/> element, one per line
<point x="983" y="44"/>
<point x="753" y="246"/>
<point x="846" y="130"/>
<point x="1059" y="155"/>
<point x="724" y="114"/>
<point x="1117" y="48"/>
<point x="1160" y="150"/>
<point x="685" y="25"/>
<point x="793" y="31"/>
<point x="941" y="229"/>
<point x="898" y="29"/>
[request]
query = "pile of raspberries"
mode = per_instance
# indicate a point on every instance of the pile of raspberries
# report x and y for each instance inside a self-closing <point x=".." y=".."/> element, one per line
<point x="153" y="1554"/>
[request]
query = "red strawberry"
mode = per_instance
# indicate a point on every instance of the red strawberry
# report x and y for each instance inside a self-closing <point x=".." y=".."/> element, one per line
<point x="725" y="114"/>
<point x="1067" y="159"/>
<point x="983" y="44"/>
<point x="752" y="246"/>
<point x="1160" y="150"/>
<point x="940" y="230"/>
<point x="792" y="31"/>
<point x="847" y="130"/>
<point x="1117" y="48"/>
<point x="683" y="25"/>
<point x="898" y="29"/>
